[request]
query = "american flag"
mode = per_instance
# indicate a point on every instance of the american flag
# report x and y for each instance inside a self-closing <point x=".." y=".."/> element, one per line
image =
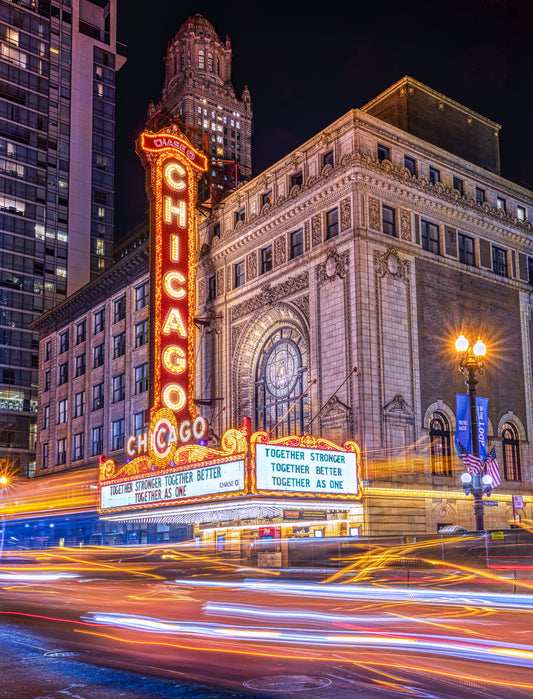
<point x="473" y="463"/>
<point x="492" y="468"/>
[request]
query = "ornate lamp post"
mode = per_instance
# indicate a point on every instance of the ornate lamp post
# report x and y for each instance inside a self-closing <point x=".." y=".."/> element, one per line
<point x="471" y="364"/>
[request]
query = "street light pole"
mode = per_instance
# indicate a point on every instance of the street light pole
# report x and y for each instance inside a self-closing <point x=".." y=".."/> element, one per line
<point x="4" y="482"/>
<point x="471" y="364"/>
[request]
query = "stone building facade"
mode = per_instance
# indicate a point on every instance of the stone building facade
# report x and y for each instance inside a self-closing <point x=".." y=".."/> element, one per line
<point x="368" y="247"/>
<point x="373" y="247"/>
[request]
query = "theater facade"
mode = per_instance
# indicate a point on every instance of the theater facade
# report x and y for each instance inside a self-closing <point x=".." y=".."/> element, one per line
<point x="300" y="376"/>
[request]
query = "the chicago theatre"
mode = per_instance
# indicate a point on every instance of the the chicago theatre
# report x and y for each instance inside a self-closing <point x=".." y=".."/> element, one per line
<point x="283" y="362"/>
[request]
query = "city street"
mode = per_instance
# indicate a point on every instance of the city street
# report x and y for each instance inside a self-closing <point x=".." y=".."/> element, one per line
<point x="202" y="621"/>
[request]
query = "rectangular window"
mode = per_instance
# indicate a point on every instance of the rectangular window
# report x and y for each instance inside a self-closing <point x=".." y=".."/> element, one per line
<point x="410" y="164"/>
<point x="481" y="196"/>
<point x="434" y="175"/>
<point x="139" y="423"/>
<point x="63" y="373"/>
<point x="466" y="249"/>
<point x="47" y="351"/>
<point x="430" y="237"/>
<point x="459" y="185"/>
<point x="239" y="215"/>
<point x="99" y="355"/>
<point x="62" y="411"/>
<point x="119" y="345"/>
<point x="216" y="230"/>
<point x="530" y="269"/>
<point x="119" y="388"/>
<point x="117" y="434"/>
<point x="296" y="179"/>
<point x="141" y="296"/>
<point x="501" y="204"/>
<point x="499" y="261"/>
<point x="80" y="364"/>
<point x="46" y="417"/>
<point x="327" y="159"/>
<point x="388" y="215"/>
<point x="63" y="342"/>
<point x="61" y="451"/>
<point x="46" y="380"/>
<point x="238" y="274"/>
<point x="77" y="451"/>
<point x="332" y="223"/>
<point x="266" y="259"/>
<point x="98" y="396"/>
<point x="79" y="404"/>
<point x="211" y="287"/>
<point x="266" y="198"/>
<point x="383" y="152"/>
<point x="81" y="332"/>
<point x="141" y="378"/>
<point x="119" y="309"/>
<point x="99" y="321"/>
<point x="297" y="243"/>
<point x="141" y="333"/>
<point x="45" y="455"/>
<point x="97" y="440"/>
<point x="521" y="213"/>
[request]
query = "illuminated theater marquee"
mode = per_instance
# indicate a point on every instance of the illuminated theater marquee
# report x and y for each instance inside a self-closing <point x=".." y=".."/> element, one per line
<point x="172" y="167"/>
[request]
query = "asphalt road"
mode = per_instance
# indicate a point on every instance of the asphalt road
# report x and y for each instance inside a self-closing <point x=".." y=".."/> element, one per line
<point x="171" y="622"/>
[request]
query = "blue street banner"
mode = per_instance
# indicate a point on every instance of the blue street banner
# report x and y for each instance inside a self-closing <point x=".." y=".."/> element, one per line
<point x="462" y="430"/>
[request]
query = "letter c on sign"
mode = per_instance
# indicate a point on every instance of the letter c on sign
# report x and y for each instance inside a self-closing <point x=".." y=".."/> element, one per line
<point x="129" y="446"/>
<point x="173" y="182"/>
<point x="171" y="282"/>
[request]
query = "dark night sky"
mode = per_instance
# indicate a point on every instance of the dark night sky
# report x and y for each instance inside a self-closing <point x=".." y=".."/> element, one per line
<point x="306" y="65"/>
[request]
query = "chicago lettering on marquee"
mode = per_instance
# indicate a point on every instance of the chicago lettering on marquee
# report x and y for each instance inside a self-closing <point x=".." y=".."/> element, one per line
<point x="172" y="168"/>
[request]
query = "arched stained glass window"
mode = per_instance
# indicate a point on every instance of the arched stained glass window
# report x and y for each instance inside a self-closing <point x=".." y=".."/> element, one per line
<point x="511" y="453"/>
<point x="281" y="376"/>
<point x="440" y="445"/>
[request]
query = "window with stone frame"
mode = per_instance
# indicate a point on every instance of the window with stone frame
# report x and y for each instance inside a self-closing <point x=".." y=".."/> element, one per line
<point x="512" y="470"/>
<point x="440" y="445"/>
<point x="280" y="378"/>
<point x="430" y="237"/>
<point x="466" y="246"/>
<point x="332" y="223"/>
<point x="388" y="220"/>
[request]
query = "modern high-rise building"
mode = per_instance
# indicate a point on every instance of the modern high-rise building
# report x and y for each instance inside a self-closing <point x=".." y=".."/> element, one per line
<point x="199" y="93"/>
<point x="57" y="111"/>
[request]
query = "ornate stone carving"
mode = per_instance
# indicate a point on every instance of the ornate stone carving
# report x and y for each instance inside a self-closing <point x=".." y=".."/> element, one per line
<point x="270" y="295"/>
<point x="220" y="282"/>
<point x="335" y="408"/>
<point x="294" y="191"/>
<point x="334" y="266"/>
<point x="306" y="236"/>
<point x="201" y="292"/>
<point x="398" y="407"/>
<point x="346" y="214"/>
<point x="251" y="266"/>
<point x="236" y="330"/>
<point x="405" y="224"/>
<point x="391" y="263"/>
<point x="326" y="170"/>
<point x="302" y="303"/>
<point x="374" y="214"/>
<point x="316" y="229"/>
<point x="280" y="250"/>
<point x="214" y="326"/>
<point x="229" y="278"/>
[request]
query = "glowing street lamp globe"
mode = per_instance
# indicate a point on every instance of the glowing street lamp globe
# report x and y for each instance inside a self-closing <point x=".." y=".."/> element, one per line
<point x="461" y="344"/>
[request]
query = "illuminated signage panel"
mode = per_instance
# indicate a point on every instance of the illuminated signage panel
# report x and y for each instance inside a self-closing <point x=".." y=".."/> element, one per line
<point x="167" y="488"/>
<point x="172" y="167"/>
<point x="296" y="469"/>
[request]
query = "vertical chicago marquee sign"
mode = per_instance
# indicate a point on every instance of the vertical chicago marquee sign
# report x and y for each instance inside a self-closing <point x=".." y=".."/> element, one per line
<point x="172" y="168"/>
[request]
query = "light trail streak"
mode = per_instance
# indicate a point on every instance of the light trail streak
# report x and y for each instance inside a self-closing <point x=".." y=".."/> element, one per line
<point x="316" y="658"/>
